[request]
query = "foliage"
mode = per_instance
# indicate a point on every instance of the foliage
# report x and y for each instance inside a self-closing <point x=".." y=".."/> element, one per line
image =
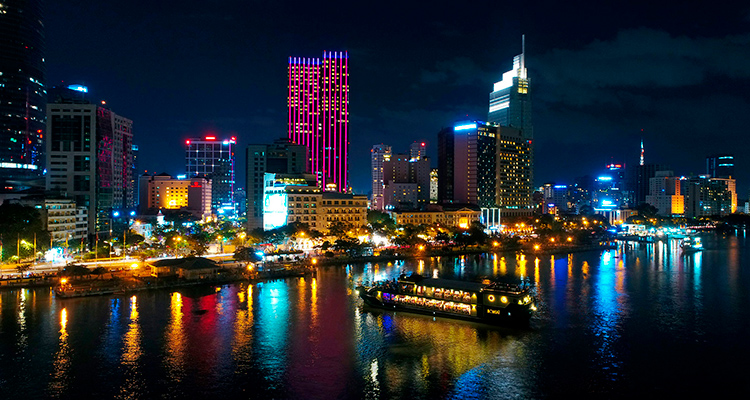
<point x="18" y="224"/>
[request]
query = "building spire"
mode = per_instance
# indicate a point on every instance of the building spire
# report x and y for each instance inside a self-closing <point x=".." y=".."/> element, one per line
<point x="523" y="57"/>
<point x="642" y="162"/>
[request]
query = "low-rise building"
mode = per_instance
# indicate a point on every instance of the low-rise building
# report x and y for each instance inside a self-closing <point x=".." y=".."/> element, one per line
<point x="455" y="215"/>
<point x="291" y="198"/>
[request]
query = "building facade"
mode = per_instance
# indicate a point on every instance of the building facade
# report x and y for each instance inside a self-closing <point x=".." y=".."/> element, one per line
<point x="318" y="103"/>
<point x="379" y="154"/>
<point x="23" y="94"/>
<point x="510" y="99"/>
<point x="485" y="164"/>
<point x="720" y="166"/>
<point x="459" y="216"/>
<point x="666" y="195"/>
<point x="213" y="158"/>
<point x="281" y="157"/>
<point x="706" y="196"/>
<point x="289" y="200"/>
<point x="89" y="152"/>
<point x="165" y="192"/>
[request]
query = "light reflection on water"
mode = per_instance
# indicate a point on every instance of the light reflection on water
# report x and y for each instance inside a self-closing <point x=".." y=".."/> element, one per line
<point x="624" y="321"/>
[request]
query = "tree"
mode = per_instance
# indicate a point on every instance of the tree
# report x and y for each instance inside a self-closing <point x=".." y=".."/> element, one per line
<point x="19" y="225"/>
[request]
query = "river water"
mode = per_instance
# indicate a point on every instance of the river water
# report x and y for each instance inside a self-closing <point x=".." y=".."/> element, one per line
<point x="638" y="321"/>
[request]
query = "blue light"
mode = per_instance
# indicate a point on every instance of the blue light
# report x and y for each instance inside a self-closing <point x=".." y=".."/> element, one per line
<point x="604" y="178"/>
<point x="464" y="127"/>
<point x="561" y="186"/>
<point x="116" y="214"/>
<point x="132" y="213"/>
<point x="79" y="88"/>
<point x="260" y="254"/>
<point x="181" y="176"/>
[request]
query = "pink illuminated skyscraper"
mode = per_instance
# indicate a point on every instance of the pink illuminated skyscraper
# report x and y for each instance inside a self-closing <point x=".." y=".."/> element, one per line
<point x="318" y="103"/>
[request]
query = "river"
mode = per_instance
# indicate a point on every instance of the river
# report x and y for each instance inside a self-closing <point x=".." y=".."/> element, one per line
<point x="638" y="321"/>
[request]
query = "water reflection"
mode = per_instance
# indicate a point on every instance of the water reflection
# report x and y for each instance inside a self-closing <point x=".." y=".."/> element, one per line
<point x="134" y="386"/>
<point x="61" y="359"/>
<point x="175" y="341"/>
<point x="610" y="307"/>
<point x="421" y="352"/>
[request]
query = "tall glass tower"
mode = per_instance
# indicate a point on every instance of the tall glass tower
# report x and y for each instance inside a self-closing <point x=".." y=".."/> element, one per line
<point x="510" y="100"/>
<point x="318" y="102"/>
<point x="212" y="158"/>
<point x="23" y="96"/>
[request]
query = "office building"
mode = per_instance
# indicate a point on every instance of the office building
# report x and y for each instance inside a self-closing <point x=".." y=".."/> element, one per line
<point x="720" y="166"/>
<point x="23" y="94"/>
<point x="281" y="157"/>
<point x="640" y="181"/>
<point x="418" y="150"/>
<point x="379" y="154"/>
<point x="61" y="217"/>
<point x="510" y="99"/>
<point x="406" y="181"/>
<point x="666" y="195"/>
<point x="706" y="196"/>
<point x="165" y="192"/>
<point x="89" y="156"/>
<point x="318" y="102"/>
<point x="213" y="158"/>
<point x="434" y="186"/>
<point x="485" y="164"/>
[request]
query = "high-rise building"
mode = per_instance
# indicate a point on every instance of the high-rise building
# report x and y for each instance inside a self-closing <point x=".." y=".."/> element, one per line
<point x="665" y="194"/>
<point x="406" y="181"/>
<point x="318" y="102"/>
<point x="639" y="182"/>
<point x="89" y="154"/>
<point x="281" y="157"/>
<point x="212" y="158"/>
<point x="706" y="196"/>
<point x="484" y="164"/>
<point x="720" y="166"/>
<point x="418" y="150"/>
<point x="433" y="186"/>
<point x="23" y="96"/>
<point x="380" y="153"/>
<point x="510" y="100"/>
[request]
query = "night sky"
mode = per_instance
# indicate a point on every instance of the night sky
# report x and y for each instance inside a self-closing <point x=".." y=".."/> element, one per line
<point x="600" y="74"/>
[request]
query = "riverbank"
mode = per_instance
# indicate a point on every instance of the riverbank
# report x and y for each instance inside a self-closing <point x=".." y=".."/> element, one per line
<point x="412" y="255"/>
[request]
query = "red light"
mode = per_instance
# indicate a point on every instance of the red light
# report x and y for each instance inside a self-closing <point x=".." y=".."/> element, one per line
<point x="422" y="144"/>
<point x="210" y="137"/>
<point x="234" y="139"/>
<point x="187" y="142"/>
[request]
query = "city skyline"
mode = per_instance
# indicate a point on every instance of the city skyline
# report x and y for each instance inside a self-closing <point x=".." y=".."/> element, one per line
<point x="597" y="83"/>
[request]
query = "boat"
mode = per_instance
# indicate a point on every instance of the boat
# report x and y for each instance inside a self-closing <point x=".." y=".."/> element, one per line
<point x="487" y="302"/>
<point x="691" y="244"/>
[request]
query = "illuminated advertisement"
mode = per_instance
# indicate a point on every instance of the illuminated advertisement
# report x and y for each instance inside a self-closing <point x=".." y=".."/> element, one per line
<point x="274" y="209"/>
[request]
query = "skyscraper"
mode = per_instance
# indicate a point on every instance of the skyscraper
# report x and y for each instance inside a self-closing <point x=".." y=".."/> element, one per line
<point x="510" y="100"/>
<point x="22" y="94"/>
<point x="720" y="166"/>
<point x="211" y="158"/>
<point x="380" y="153"/>
<point x="89" y="153"/>
<point x="485" y="164"/>
<point x="318" y="102"/>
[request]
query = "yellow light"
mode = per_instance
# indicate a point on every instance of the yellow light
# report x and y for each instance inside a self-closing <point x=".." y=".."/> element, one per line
<point x="552" y="240"/>
<point x="503" y="299"/>
<point x="314" y="260"/>
<point x="421" y="247"/>
<point x="134" y="266"/>
<point x="495" y="244"/>
<point x="250" y="267"/>
<point x="570" y="239"/>
<point x="491" y="298"/>
<point x="536" y="247"/>
<point x="63" y="281"/>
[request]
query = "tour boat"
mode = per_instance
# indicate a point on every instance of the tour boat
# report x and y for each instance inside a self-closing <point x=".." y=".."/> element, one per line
<point x="489" y="302"/>
<point x="691" y="244"/>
